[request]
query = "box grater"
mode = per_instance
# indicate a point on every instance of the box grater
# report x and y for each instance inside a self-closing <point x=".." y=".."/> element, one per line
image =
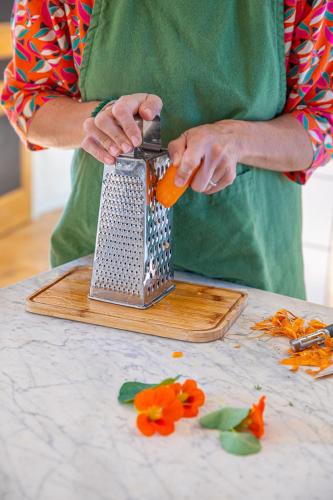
<point x="132" y="261"/>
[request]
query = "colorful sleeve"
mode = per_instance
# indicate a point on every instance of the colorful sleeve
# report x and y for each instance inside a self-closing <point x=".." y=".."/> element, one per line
<point x="42" y="67"/>
<point x="309" y="61"/>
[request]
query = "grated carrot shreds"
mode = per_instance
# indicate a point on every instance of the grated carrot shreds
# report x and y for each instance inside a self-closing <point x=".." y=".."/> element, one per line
<point x="320" y="357"/>
<point x="286" y="324"/>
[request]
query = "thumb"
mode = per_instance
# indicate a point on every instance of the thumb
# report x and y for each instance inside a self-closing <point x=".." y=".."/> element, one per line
<point x="150" y="107"/>
<point x="176" y="149"/>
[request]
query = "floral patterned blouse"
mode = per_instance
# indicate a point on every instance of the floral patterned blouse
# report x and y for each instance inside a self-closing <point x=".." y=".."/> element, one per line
<point x="49" y="39"/>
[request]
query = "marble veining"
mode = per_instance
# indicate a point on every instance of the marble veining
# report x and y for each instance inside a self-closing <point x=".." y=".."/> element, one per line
<point x="63" y="434"/>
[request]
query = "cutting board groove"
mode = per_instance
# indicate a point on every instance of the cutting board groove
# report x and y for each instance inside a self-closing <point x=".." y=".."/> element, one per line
<point x="192" y="312"/>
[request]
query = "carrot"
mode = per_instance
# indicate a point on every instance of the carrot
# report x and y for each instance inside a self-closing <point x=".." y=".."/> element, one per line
<point x="167" y="193"/>
<point x="285" y="323"/>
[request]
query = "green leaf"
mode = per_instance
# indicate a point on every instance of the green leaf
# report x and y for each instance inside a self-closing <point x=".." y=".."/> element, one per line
<point x="225" y="419"/>
<point x="240" y="443"/>
<point x="129" y="390"/>
<point x="211" y="420"/>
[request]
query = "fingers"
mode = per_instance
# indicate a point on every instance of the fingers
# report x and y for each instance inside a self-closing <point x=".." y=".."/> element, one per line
<point x="176" y="149"/>
<point x="96" y="150"/>
<point x="206" y="157"/>
<point x="186" y="153"/>
<point x="150" y="107"/>
<point x="223" y="177"/>
<point x="123" y="111"/>
<point x="117" y="121"/>
<point x="100" y="137"/>
<point x="105" y="122"/>
<point x="212" y="160"/>
<point x="114" y="130"/>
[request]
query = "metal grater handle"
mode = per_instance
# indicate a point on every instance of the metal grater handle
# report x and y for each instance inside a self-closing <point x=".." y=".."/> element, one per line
<point x="151" y="134"/>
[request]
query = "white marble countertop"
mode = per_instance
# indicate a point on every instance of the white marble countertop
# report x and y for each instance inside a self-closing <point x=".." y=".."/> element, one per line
<point x="64" y="436"/>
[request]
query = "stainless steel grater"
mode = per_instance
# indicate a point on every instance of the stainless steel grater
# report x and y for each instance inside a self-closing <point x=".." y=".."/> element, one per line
<point x="132" y="261"/>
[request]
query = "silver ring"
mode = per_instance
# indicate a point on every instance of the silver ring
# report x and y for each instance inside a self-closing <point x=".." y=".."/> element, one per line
<point x="212" y="183"/>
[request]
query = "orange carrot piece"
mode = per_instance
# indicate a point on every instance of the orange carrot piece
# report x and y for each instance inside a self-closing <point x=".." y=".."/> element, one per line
<point x="167" y="193"/>
<point x="177" y="354"/>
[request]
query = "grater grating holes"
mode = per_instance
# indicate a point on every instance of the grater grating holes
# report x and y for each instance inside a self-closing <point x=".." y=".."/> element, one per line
<point x="118" y="251"/>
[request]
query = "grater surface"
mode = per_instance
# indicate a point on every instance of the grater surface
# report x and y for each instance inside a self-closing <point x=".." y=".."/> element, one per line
<point x="132" y="262"/>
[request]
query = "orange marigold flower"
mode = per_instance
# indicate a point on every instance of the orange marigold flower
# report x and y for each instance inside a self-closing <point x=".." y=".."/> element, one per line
<point x="159" y="408"/>
<point x="190" y="396"/>
<point x="254" y="422"/>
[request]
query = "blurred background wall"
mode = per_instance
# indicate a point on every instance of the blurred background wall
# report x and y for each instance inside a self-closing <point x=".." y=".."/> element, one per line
<point x="50" y="180"/>
<point x="318" y="235"/>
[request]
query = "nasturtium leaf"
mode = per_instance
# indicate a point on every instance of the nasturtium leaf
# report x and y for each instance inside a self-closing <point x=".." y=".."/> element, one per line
<point x="225" y="419"/>
<point x="211" y="420"/>
<point x="240" y="443"/>
<point x="129" y="390"/>
<point x="231" y="417"/>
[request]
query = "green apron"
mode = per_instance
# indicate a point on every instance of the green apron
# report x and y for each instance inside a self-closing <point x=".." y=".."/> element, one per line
<point x="208" y="61"/>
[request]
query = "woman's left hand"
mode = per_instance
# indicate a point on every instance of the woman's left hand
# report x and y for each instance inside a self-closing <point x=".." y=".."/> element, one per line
<point x="215" y="147"/>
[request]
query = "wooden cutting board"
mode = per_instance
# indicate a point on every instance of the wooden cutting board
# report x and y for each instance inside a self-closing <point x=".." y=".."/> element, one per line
<point x="192" y="312"/>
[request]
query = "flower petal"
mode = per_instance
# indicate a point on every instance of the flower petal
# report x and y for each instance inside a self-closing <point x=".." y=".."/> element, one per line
<point x="144" y="399"/>
<point x="191" y="411"/>
<point x="145" y="425"/>
<point x="256" y="418"/>
<point x="164" y="427"/>
<point x="163" y="396"/>
<point x="189" y="385"/>
<point x="173" y="411"/>
<point x="198" y="397"/>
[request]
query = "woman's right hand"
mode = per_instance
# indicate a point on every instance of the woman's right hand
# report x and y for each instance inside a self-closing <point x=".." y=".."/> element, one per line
<point x="114" y="131"/>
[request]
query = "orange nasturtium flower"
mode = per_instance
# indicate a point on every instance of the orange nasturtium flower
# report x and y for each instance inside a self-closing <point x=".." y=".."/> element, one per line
<point x="159" y="409"/>
<point x="190" y="396"/>
<point x="254" y="422"/>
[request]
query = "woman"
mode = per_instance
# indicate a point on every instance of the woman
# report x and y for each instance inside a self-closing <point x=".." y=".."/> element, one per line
<point x="245" y="90"/>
